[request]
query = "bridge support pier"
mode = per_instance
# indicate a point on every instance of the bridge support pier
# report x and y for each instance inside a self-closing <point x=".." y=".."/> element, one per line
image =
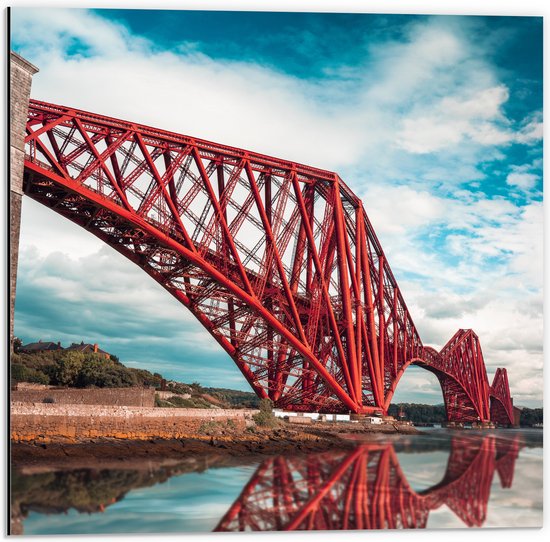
<point x="487" y="425"/>
<point x="21" y="72"/>
<point x="364" y="415"/>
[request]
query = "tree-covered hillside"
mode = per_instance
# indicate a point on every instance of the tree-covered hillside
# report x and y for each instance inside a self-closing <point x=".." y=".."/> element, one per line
<point x="87" y="370"/>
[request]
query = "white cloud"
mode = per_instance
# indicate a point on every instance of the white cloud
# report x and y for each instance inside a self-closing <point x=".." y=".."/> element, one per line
<point x="48" y="232"/>
<point x="428" y="134"/>
<point x="60" y="30"/>
<point x="455" y="119"/>
<point x="532" y="131"/>
<point x="409" y="69"/>
<point x="485" y="104"/>
<point x="396" y="209"/>
<point x="525" y="181"/>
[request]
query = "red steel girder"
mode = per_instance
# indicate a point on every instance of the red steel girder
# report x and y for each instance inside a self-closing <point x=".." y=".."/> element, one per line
<point x="502" y="406"/>
<point x="277" y="260"/>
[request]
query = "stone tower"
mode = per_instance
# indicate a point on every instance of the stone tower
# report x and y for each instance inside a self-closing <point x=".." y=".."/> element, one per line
<point x="21" y="73"/>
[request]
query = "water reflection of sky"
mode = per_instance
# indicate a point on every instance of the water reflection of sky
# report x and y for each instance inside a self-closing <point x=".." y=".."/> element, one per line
<point x="196" y="502"/>
<point x="189" y="502"/>
<point x="423" y="470"/>
<point x="518" y="506"/>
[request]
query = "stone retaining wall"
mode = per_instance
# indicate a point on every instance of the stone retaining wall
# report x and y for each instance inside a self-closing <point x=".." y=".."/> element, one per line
<point x="167" y="394"/>
<point x="45" y="422"/>
<point x="141" y="397"/>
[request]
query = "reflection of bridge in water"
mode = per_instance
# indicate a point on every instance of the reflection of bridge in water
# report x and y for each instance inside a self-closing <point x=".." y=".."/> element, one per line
<point x="367" y="489"/>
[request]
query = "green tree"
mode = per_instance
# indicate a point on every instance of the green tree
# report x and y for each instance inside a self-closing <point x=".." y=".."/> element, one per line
<point x="104" y="373"/>
<point x="20" y="373"/>
<point x="418" y="413"/>
<point x="530" y="416"/>
<point x="265" y="417"/>
<point x="146" y="378"/>
<point x="92" y="372"/>
<point x="66" y="370"/>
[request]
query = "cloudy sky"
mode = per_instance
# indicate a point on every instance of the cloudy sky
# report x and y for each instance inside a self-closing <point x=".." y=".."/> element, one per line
<point x="436" y="122"/>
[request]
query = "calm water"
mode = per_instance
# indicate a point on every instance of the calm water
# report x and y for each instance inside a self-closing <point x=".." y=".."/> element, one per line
<point x="439" y="479"/>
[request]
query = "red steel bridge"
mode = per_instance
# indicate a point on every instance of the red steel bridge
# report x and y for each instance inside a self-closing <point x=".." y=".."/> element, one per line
<point x="366" y="489"/>
<point x="277" y="260"/>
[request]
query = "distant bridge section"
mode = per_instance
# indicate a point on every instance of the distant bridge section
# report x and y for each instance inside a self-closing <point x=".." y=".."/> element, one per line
<point x="502" y="407"/>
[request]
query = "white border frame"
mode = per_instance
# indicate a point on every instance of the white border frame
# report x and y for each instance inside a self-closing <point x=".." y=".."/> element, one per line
<point x="440" y="7"/>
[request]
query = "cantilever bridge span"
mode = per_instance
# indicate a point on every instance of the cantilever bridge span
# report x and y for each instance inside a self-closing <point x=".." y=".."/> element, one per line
<point x="277" y="260"/>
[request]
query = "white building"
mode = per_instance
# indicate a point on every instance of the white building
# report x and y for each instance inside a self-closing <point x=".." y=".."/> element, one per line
<point x="313" y="415"/>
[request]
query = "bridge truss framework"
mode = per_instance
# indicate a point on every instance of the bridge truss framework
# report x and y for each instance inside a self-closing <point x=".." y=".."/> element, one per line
<point x="277" y="260"/>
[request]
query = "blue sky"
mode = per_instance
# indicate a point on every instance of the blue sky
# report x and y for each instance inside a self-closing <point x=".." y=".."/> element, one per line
<point x="436" y="122"/>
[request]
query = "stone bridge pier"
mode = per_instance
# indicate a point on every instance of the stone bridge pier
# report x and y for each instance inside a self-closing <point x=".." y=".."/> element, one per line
<point x="21" y="72"/>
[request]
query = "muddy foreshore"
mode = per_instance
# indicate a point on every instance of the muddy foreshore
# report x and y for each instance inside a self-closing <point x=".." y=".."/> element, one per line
<point x="224" y="445"/>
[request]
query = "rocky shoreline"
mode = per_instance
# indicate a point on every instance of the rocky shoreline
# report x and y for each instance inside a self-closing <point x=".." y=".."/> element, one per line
<point x="113" y="452"/>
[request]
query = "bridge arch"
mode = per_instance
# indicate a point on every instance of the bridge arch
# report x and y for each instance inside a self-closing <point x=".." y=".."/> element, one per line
<point x="460" y="405"/>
